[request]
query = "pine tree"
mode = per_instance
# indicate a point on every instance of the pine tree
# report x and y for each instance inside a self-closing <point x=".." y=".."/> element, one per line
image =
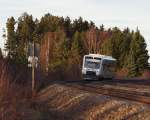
<point x="77" y="49"/>
<point x="102" y="28"/>
<point x="68" y="27"/>
<point x="113" y="45"/>
<point x="25" y="34"/>
<point x="138" y="55"/>
<point x="77" y="43"/>
<point x="106" y="47"/>
<point x="26" y="27"/>
<point x="125" y="49"/>
<point x="49" y="23"/>
<point x="11" y="38"/>
<point x="60" y="53"/>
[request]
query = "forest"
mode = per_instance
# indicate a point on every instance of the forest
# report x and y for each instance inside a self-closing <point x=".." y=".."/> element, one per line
<point x="64" y="41"/>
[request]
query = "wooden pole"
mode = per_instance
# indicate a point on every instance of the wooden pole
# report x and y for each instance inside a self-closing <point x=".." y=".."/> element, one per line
<point x="33" y="71"/>
<point x="47" y="69"/>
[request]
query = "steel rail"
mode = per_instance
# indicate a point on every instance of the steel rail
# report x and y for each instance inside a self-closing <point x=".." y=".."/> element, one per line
<point x="142" y="97"/>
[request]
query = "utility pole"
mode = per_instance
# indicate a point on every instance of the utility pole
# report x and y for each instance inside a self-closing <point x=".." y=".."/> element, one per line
<point x="47" y="60"/>
<point x="33" y="53"/>
<point x="33" y="69"/>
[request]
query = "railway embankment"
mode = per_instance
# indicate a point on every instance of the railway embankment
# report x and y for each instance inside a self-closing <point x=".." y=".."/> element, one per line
<point x="71" y="103"/>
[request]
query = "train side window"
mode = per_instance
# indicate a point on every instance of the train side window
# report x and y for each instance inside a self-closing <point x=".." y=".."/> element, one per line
<point x="109" y="66"/>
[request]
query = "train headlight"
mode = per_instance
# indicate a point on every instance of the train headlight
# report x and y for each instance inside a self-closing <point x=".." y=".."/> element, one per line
<point x="97" y="72"/>
<point x="83" y="71"/>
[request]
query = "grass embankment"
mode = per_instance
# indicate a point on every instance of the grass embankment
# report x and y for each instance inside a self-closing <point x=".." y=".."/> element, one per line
<point x="67" y="103"/>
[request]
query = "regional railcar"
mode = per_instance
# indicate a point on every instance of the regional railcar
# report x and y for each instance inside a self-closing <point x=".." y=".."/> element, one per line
<point x="96" y="66"/>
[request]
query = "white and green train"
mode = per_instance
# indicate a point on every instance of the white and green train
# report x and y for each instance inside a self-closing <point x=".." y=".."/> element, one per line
<point x="96" y="66"/>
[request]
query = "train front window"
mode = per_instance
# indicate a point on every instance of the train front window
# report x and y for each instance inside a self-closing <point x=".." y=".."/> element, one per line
<point x="92" y="64"/>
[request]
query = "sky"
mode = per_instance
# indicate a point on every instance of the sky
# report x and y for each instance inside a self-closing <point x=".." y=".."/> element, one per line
<point x="111" y="13"/>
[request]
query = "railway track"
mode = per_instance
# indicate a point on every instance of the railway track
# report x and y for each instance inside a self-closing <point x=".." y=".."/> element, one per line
<point x="99" y="88"/>
<point x="143" y="97"/>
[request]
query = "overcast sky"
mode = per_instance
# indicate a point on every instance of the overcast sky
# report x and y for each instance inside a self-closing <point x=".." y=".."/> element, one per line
<point x="120" y="13"/>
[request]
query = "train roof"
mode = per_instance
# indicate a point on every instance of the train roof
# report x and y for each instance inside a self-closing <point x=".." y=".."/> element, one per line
<point x="101" y="56"/>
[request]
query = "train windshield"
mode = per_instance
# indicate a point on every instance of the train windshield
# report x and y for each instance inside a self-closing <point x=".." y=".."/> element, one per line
<point x="92" y="63"/>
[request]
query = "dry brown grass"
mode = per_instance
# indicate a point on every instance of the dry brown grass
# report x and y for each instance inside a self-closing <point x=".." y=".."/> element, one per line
<point x="71" y="104"/>
<point x="12" y="96"/>
<point x="123" y="73"/>
<point x="146" y="74"/>
<point x="16" y="102"/>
